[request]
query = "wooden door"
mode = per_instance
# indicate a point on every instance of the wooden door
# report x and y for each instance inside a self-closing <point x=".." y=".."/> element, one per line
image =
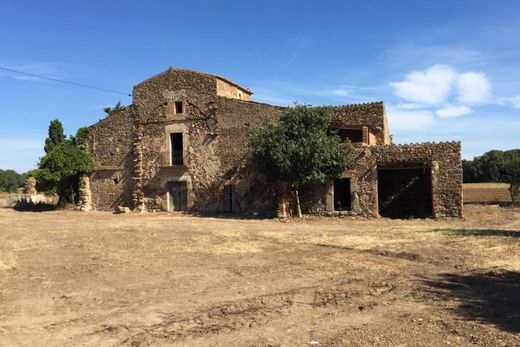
<point x="178" y="196"/>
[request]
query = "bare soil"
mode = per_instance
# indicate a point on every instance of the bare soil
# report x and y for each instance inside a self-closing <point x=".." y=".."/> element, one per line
<point x="98" y="279"/>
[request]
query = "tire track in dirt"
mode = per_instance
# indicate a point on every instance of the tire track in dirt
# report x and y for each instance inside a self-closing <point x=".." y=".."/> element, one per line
<point x="252" y="312"/>
<point x="224" y="318"/>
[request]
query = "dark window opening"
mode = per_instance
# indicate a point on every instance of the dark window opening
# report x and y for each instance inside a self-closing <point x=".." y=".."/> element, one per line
<point x="342" y="196"/>
<point x="176" y="148"/>
<point x="178" y="196"/>
<point x="229" y="198"/>
<point x="405" y="192"/>
<point x="178" y="107"/>
<point x="354" y="135"/>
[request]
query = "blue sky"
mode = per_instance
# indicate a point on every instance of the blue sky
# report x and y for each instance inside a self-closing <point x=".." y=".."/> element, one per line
<point x="446" y="70"/>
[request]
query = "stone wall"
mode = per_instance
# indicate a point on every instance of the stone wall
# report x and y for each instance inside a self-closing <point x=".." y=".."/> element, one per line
<point x="110" y="143"/>
<point x="229" y="90"/>
<point x="198" y="93"/>
<point x="371" y="115"/>
<point x="215" y="154"/>
<point x="214" y="132"/>
<point x="443" y="159"/>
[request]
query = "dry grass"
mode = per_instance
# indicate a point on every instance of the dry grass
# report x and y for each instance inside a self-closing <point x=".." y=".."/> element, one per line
<point x="486" y="193"/>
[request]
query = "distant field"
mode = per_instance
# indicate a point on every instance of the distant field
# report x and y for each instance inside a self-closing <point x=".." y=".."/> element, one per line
<point x="486" y="193"/>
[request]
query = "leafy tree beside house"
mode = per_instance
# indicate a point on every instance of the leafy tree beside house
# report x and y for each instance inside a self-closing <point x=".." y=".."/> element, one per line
<point x="64" y="162"/>
<point x="56" y="135"/>
<point x="298" y="148"/>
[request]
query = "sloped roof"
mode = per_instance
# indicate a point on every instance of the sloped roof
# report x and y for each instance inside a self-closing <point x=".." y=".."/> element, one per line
<point x="247" y="90"/>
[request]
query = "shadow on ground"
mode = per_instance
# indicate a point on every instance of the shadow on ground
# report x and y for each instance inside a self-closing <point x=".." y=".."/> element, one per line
<point x="479" y="232"/>
<point x="491" y="297"/>
<point x="239" y="216"/>
<point x="35" y="208"/>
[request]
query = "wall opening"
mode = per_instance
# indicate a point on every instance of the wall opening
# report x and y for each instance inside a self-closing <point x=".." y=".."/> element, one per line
<point x="176" y="148"/>
<point x="229" y="198"/>
<point x="353" y="135"/>
<point x="178" y="107"/>
<point x="405" y="191"/>
<point x="178" y="192"/>
<point x="342" y="196"/>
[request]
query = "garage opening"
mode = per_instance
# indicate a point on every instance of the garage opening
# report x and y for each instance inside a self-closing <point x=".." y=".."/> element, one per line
<point x="405" y="191"/>
<point x="342" y="201"/>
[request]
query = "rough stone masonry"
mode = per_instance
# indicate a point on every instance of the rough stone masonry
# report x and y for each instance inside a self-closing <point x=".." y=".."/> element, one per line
<point x="182" y="146"/>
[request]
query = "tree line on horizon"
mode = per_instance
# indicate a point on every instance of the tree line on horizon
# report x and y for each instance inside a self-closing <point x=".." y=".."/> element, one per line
<point x="495" y="166"/>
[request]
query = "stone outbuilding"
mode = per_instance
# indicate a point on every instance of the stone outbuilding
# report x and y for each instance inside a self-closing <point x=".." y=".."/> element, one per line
<point x="182" y="146"/>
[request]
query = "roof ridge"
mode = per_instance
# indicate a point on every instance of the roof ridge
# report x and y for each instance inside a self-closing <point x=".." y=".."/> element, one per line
<point x="362" y="104"/>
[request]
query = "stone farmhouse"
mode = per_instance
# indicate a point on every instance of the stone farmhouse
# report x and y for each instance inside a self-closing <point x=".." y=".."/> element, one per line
<point x="182" y="146"/>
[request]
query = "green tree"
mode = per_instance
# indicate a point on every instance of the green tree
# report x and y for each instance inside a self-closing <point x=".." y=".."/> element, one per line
<point x="510" y="173"/>
<point x="117" y="107"/>
<point x="10" y="181"/>
<point x="80" y="139"/>
<point x="496" y="166"/>
<point x="56" y="135"/>
<point x="59" y="170"/>
<point x="298" y="148"/>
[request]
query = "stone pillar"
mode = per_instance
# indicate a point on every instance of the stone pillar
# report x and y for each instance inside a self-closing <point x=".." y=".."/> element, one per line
<point x="29" y="187"/>
<point x="85" y="194"/>
<point x="355" y="203"/>
<point x="137" y="194"/>
<point x="329" y="197"/>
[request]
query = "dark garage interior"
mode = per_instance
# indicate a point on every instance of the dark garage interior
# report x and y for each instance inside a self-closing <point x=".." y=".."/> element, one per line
<point x="404" y="191"/>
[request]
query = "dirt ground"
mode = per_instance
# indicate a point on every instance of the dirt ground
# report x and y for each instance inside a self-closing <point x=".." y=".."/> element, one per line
<point x="98" y="279"/>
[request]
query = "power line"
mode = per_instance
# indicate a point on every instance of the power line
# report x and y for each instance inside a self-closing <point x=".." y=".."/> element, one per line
<point x="66" y="82"/>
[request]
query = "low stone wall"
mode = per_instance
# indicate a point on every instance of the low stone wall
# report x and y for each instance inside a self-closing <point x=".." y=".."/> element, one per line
<point x="12" y="200"/>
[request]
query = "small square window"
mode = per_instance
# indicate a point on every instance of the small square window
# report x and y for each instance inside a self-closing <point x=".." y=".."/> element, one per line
<point x="178" y="107"/>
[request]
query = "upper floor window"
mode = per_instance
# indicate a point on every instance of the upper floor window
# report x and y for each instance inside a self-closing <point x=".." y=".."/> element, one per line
<point x="176" y="148"/>
<point x="174" y="108"/>
<point x="179" y="107"/>
<point x="354" y="135"/>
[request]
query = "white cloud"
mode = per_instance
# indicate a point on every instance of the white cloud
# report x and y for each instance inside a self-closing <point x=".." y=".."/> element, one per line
<point x="409" y="106"/>
<point x="431" y="86"/>
<point x="340" y="91"/>
<point x="402" y="120"/>
<point x="515" y="101"/>
<point x="472" y="88"/>
<point x="450" y="111"/>
<point x="439" y="84"/>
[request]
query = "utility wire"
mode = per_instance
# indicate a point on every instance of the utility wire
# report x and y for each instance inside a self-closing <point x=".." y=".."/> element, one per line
<point x="66" y="82"/>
